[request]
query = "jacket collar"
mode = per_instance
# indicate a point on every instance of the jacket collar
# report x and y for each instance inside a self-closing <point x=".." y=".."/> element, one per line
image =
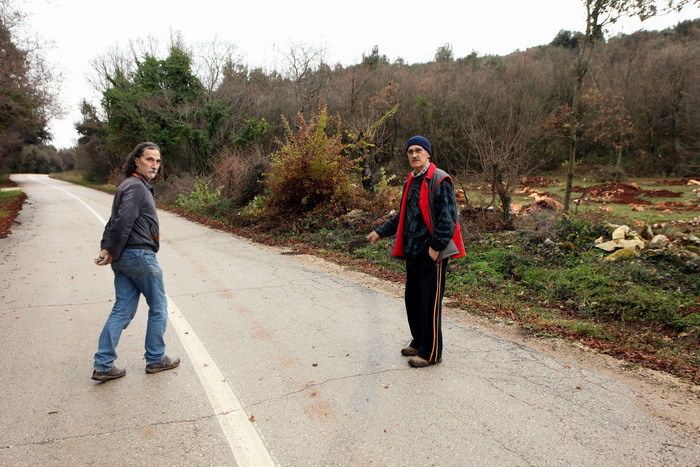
<point x="143" y="179"/>
<point x="428" y="170"/>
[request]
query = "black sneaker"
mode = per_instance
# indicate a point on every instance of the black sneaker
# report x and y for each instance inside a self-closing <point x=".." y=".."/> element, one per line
<point x="166" y="363"/>
<point x="112" y="373"/>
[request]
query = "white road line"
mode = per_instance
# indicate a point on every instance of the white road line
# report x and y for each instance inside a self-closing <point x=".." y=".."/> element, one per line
<point x="243" y="439"/>
<point x="100" y="218"/>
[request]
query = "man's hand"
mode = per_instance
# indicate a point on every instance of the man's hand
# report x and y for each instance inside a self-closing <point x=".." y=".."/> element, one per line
<point x="104" y="258"/>
<point x="433" y="253"/>
<point x="373" y="237"/>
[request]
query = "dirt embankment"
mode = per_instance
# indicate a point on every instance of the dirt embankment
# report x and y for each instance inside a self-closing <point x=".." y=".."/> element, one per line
<point x="9" y="210"/>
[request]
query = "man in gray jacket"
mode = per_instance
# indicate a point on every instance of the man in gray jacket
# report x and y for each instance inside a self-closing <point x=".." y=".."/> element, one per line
<point x="130" y="243"/>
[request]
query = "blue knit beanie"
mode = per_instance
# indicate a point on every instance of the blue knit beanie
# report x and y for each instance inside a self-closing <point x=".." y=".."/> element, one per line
<point x="421" y="141"/>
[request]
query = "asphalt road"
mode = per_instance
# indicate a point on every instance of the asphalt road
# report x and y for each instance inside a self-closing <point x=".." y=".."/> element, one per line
<point x="285" y="361"/>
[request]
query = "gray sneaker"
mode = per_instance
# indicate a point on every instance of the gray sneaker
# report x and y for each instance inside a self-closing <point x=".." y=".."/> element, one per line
<point x="420" y="362"/>
<point x="166" y="363"/>
<point x="112" y="373"/>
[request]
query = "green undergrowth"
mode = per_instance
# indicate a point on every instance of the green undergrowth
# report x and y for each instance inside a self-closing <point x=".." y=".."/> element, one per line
<point x="77" y="177"/>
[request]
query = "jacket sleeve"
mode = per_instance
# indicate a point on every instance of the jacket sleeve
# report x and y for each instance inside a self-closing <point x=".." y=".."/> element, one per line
<point x="444" y="215"/>
<point x="389" y="228"/>
<point x="106" y="241"/>
<point x="120" y="224"/>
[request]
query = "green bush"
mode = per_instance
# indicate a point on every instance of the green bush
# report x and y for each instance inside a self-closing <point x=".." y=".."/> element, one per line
<point x="691" y="320"/>
<point x="674" y="271"/>
<point x="202" y="200"/>
<point x="252" y="132"/>
<point x="580" y="232"/>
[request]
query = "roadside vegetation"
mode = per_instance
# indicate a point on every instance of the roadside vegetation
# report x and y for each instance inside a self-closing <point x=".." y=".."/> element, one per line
<point x="11" y="201"/>
<point x="546" y="276"/>
<point x="79" y="178"/>
<point x="576" y="165"/>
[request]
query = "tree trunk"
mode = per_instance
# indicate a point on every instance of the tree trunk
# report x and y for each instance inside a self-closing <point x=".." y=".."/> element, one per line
<point x="505" y="198"/>
<point x="593" y="11"/>
<point x="573" y="135"/>
<point x="618" y="165"/>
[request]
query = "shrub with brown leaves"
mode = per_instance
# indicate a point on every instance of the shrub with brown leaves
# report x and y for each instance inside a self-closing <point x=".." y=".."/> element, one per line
<point x="309" y="170"/>
<point x="239" y="174"/>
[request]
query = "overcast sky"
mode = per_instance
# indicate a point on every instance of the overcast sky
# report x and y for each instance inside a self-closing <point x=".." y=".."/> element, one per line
<point x="80" y="30"/>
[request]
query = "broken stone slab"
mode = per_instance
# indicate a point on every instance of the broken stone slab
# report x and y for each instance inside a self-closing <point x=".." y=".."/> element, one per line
<point x="620" y="232"/>
<point x="632" y="235"/>
<point x="613" y="245"/>
<point x="658" y="242"/>
<point x="610" y="245"/>
<point x="625" y="253"/>
<point x="647" y="233"/>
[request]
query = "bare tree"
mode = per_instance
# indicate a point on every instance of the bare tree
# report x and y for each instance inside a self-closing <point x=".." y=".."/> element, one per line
<point x="506" y="116"/>
<point x="304" y="65"/>
<point x="108" y="65"/>
<point x="606" y="122"/>
<point x="28" y="85"/>
<point x="212" y="59"/>
<point x="599" y="14"/>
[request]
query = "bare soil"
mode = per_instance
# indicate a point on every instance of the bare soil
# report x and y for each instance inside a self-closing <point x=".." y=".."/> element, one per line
<point x="541" y="182"/>
<point x="675" y="181"/>
<point x="625" y="193"/>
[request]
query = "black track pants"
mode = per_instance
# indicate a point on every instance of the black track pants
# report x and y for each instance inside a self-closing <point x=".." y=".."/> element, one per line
<point x="425" y="287"/>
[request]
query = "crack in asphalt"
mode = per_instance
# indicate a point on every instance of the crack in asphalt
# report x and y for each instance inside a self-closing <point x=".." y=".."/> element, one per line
<point x="490" y="436"/>
<point x="321" y="383"/>
<point x="208" y="292"/>
<point x="120" y="430"/>
<point x="513" y="396"/>
<point x="51" y="305"/>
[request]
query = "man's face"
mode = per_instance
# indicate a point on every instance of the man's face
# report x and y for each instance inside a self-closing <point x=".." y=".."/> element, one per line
<point x="417" y="156"/>
<point x="148" y="164"/>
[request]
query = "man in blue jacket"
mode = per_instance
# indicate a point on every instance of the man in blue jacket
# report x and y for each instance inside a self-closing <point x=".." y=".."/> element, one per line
<point x="130" y="243"/>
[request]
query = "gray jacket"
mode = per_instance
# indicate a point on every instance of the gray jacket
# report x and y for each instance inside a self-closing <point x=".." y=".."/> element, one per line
<point x="134" y="222"/>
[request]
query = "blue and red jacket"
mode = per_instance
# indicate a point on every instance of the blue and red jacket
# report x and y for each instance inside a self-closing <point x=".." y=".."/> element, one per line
<point x="429" y="186"/>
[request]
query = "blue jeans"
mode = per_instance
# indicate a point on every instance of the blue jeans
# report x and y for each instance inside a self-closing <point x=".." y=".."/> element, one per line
<point x="136" y="272"/>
